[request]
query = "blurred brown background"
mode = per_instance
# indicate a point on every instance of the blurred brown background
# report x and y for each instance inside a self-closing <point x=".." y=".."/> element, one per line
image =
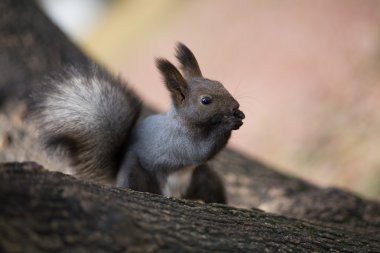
<point x="305" y="72"/>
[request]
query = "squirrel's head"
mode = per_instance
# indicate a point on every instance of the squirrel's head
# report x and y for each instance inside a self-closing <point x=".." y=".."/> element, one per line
<point x="198" y="100"/>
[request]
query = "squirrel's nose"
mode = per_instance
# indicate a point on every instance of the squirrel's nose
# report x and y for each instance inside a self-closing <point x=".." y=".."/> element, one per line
<point x="239" y="114"/>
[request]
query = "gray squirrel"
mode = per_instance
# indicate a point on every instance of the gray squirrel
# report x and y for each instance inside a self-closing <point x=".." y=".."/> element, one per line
<point x="91" y="117"/>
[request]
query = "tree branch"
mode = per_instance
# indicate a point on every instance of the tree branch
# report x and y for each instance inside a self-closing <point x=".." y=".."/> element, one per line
<point x="48" y="211"/>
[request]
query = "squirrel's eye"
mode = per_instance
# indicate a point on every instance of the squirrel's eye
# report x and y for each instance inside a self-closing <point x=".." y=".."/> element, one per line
<point x="206" y="100"/>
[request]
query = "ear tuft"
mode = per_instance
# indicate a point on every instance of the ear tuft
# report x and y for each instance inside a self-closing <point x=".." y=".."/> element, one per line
<point x="173" y="79"/>
<point x="189" y="64"/>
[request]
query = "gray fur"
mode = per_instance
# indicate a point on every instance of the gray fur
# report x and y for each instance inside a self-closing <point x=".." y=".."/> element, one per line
<point x="186" y="136"/>
<point x="164" y="142"/>
<point x="87" y="115"/>
<point x="90" y="117"/>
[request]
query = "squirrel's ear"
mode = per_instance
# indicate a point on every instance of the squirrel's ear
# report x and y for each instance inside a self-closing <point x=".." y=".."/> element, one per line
<point x="173" y="79"/>
<point x="189" y="64"/>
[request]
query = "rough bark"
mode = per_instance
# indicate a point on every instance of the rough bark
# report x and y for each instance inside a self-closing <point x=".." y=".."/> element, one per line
<point x="30" y="47"/>
<point x="49" y="211"/>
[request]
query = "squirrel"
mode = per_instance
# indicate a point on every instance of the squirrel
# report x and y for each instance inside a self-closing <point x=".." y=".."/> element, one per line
<point x="91" y="117"/>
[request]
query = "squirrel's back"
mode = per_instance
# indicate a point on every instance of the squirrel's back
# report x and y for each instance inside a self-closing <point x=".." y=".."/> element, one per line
<point x="87" y="115"/>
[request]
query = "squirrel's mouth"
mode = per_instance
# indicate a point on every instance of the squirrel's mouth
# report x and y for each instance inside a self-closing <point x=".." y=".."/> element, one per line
<point x="237" y="125"/>
<point x="232" y="121"/>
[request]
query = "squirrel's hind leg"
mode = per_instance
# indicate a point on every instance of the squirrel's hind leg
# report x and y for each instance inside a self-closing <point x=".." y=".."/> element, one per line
<point x="132" y="175"/>
<point x="206" y="185"/>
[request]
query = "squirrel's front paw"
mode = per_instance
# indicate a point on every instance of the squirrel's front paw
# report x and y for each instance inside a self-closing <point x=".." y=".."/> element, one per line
<point x="236" y="120"/>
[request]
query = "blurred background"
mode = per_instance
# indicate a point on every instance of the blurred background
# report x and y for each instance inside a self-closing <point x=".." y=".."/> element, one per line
<point x="306" y="73"/>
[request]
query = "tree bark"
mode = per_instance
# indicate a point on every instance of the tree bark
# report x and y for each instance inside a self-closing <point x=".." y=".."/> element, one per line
<point x="42" y="211"/>
<point x="48" y="211"/>
<point x="31" y="46"/>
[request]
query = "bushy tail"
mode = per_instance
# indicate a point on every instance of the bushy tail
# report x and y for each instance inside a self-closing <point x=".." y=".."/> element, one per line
<point x="87" y="115"/>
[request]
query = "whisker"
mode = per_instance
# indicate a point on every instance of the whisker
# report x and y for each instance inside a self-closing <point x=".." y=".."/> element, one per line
<point x="236" y="88"/>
